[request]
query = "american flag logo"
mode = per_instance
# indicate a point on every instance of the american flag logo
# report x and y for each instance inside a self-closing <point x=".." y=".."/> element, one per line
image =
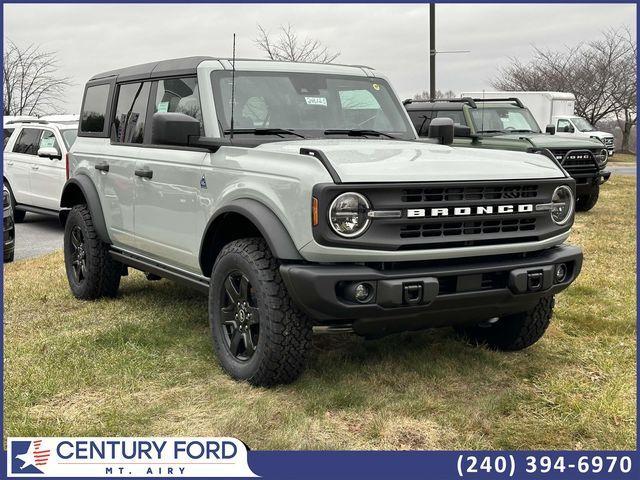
<point x="35" y="457"/>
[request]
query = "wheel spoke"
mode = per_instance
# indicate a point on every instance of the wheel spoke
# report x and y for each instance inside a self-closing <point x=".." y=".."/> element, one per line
<point x="244" y="288"/>
<point x="235" y="342"/>
<point x="76" y="241"/>
<point x="229" y="317"/>
<point x="248" y="343"/>
<point x="231" y="290"/>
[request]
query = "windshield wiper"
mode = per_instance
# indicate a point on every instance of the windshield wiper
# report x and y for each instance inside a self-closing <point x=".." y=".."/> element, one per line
<point x="491" y="131"/>
<point x="359" y="133"/>
<point x="265" y="131"/>
<point x="522" y="131"/>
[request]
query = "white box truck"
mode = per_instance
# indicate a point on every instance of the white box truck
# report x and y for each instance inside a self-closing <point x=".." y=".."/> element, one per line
<point x="556" y="109"/>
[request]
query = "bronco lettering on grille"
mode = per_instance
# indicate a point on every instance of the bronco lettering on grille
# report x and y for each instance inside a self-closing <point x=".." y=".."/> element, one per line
<point x="465" y="211"/>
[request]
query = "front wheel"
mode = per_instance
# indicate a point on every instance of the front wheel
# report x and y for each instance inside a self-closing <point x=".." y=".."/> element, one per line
<point x="258" y="334"/>
<point x="513" y="332"/>
<point x="18" y="215"/>
<point x="587" y="201"/>
<point x="91" y="271"/>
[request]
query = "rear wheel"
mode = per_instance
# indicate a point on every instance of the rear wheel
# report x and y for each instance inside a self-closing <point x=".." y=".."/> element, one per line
<point x="91" y="271"/>
<point x="513" y="332"/>
<point x="587" y="201"/>
<point x="258" y="334"/>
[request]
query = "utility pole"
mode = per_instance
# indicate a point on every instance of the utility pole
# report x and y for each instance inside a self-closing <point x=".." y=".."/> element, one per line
<point x="432" y="51"/>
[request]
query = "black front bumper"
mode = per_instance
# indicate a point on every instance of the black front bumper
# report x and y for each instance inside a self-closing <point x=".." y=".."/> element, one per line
<point x="430" y="294"/>
<point x="585" y="182"/>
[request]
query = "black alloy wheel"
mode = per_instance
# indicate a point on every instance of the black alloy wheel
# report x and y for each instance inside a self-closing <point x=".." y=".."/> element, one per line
<point x="240" y="316"/>
<point x="78" y="254"/>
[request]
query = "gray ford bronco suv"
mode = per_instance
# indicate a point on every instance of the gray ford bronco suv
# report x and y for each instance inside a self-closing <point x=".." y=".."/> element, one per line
<point x="298" y="195"/>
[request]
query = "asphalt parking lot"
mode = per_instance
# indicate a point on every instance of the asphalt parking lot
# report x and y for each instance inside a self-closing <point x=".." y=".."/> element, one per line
<point x="37" y="235"/>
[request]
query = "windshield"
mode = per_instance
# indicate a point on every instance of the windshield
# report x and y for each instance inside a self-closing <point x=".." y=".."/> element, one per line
<point x="503" y="120"/>
<point x="311" y="105"/>
<point x="69" y="136"/>
<point x="582" y="125"/>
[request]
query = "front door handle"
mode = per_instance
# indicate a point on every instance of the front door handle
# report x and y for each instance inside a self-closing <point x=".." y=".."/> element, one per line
<point x="144" y="173"/>
<point x="103" y="167"/>
<point x="10" y="163"/>
<point x="34" y="167"/>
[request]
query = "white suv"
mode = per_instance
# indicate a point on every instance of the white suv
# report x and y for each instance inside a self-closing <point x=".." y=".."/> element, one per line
<point x="35" y="164"/>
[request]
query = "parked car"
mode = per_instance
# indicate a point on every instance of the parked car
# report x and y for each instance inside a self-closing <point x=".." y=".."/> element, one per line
<point x="8" y="124"/>
<point x="35" y="165"/>
<point x="298" y="195"/>
<point x="555" y="109"/>
<point x="506" y="124"/>
<point x="8" y="227"/>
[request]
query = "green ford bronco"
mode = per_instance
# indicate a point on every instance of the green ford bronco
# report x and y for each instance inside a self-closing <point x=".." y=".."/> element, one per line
<point x="506" y="124"/>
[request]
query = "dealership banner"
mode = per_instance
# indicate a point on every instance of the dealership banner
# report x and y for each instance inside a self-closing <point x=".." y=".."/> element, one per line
<point x="127" y="456"/>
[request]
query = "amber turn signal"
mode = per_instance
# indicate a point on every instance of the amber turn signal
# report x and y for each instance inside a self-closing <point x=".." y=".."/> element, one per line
<point x="314" y="211"/>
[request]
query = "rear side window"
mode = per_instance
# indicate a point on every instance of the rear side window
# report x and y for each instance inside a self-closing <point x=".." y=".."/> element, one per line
<point x="94" y="109"/>
<point x="179" y="95"/>
<point x="28" y="142"/>
<point x="131" y="112"/>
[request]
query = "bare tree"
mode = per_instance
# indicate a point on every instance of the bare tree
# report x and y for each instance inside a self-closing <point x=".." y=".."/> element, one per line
<point x="440" y="95"/>
<point x="31" y="83"/>
<point x="600" y="73"/>
<point x="288" y="46"/>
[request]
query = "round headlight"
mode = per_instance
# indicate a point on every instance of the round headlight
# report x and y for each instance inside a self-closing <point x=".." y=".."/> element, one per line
<point x="348" y="214"/>
<point x="602" y="157"/>
<point x="562" y="205"/>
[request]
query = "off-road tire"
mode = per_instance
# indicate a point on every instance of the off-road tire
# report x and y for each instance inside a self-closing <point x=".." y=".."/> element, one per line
<point x="8" y="255"/>
<point x="284" y="340"/>
<point x="102" y="271"/>
<point x="18" y="215"/>
<point x="513" y="332"/>
<point x="587" y="201"/>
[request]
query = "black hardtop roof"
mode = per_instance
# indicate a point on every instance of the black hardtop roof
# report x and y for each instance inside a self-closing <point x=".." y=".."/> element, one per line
<point x="173" y="67"/>
<point x="437" y="105"/>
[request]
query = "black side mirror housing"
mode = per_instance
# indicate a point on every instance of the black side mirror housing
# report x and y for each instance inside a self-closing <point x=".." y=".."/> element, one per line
<point x="172" y="128"/>
<point x="551" y="130"/>
<point x="442" y="130"/>
<point x="461" y="131"/>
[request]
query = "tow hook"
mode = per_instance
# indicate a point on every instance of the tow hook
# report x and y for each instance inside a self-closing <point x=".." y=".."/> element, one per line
<point x="412" y="293"/>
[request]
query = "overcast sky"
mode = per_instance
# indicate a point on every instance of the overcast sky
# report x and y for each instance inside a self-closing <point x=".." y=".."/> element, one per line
<point x="391" y="38"/>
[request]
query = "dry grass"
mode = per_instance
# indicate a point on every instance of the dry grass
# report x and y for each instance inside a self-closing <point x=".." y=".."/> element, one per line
<point x="623" y="158"/>
<point x="142" y="365"/>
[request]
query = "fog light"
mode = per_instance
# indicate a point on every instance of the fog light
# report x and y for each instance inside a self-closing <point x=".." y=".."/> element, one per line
<point x="360" y="292"/>
<point x="560" y="273"/>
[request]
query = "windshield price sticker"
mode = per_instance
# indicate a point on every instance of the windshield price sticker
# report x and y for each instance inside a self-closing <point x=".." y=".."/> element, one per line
<point x="316" y="101"/>
<point x="522" y="466"/>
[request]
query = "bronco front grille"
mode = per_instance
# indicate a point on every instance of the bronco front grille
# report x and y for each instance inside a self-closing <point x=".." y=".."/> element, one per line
<point x="577" y="161"/>
<point x="453" y="194"/>
<point x="447" y="229"/>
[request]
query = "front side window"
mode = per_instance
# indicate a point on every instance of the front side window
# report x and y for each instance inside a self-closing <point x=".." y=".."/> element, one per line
<point x="130" y="114"/>
<point x="503" y="120"/>
<point x="309" y="104"/>
<point x="48" y="140"/>
<point x="94" y="109"/>
<point x="179" y="95"/>
<point x="583" y="125"/>
<point x="28" y="142"/>
<point x="564" y="126"/>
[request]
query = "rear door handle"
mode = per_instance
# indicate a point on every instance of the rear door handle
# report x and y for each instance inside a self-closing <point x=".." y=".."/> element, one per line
<point x="103" y="167"/>
<point x="34" y="167"/>
<point x="144" y="173"/>
<point x="10" y="163"/>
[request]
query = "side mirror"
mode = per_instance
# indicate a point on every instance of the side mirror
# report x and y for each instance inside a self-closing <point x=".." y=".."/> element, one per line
<point x="551" y="130"/>
<point x="49" y="152"/>
<point x="461" y="131"/>
<point x="441" y="129"/>
<point x="172" y="128"/>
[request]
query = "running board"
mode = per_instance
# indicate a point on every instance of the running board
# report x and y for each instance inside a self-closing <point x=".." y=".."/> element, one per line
<point x="30" y="208"/>
<point x="164" y="271"/>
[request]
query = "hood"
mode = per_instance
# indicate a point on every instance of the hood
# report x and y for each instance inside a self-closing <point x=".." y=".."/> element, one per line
<point x="368" y="160"/>
<point x="599" y="134"/>
<point x="543" y="140"/>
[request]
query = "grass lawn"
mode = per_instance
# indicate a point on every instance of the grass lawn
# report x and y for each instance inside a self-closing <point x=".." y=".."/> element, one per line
<point x="142" y="365"/>
<point x="623" y="158"/>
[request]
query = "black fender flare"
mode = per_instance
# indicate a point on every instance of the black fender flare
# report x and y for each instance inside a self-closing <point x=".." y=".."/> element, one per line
<point x="81" y="189"/>
<point x="267" y="223"/>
